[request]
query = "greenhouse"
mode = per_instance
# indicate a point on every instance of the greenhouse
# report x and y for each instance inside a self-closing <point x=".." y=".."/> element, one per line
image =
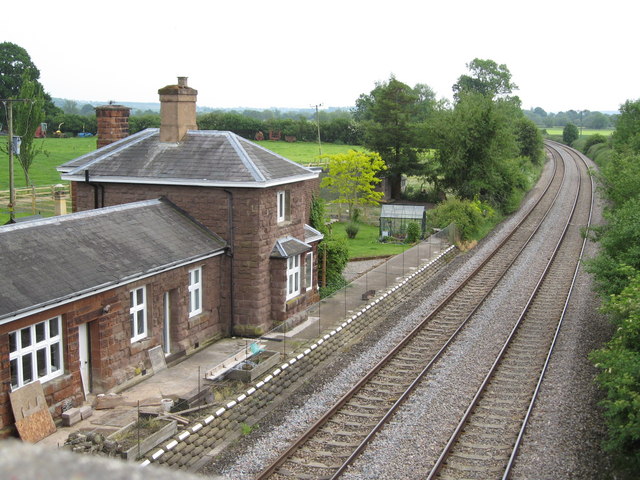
<point x="395" y="218"/>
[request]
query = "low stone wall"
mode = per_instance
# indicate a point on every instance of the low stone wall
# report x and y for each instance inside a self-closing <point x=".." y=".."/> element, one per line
<point x="187" y="447"/>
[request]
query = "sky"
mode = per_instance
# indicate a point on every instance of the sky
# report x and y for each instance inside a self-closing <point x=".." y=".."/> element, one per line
<point x="562" y="54"/>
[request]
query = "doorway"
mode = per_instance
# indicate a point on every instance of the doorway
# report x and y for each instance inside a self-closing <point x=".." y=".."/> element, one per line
<point x="84" y="353"/>
<point x="166" y="325"/>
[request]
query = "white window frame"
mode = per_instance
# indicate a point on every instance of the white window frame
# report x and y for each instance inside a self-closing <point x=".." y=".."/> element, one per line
<point x="195" y="292"/>
<point x="293" y="276"/>
<point x="308" y="270"/>
<point x="282" y="207"/>
<point x="22" y="354"/>
<point x="138" y="314"/>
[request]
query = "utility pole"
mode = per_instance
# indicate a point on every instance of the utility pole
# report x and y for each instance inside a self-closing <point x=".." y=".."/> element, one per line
<point x="8" y="103"/>
<point x="318" y="122"/>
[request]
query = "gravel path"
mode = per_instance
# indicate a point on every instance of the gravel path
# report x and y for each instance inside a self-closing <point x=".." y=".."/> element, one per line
<point x="408" y="444"/>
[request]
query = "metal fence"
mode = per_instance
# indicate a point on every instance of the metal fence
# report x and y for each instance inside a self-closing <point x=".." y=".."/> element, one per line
<point x="332" y="311"/>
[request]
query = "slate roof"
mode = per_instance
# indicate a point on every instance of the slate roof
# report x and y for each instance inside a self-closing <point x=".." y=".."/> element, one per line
<point x="203" y="158"/>
<point x="51" y="261"/>
<point x="311" y="234"/>
<point x="288" y="247"/>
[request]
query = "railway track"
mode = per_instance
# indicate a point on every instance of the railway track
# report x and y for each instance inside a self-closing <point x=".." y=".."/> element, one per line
<point x="335" y="440"/>
<point x="486" y="440"/>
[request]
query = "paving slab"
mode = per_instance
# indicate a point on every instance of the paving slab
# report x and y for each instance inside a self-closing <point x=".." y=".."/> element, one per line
<point x="178" y="380"/>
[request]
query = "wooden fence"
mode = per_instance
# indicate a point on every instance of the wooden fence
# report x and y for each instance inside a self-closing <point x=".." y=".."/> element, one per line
<point x="36" y="200"/>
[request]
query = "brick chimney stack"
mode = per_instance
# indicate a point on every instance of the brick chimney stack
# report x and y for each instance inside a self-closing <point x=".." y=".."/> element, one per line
<point x="113" y="123"/>
<point x="177" y="111"/>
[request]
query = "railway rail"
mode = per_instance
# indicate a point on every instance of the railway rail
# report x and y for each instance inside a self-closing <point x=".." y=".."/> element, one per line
<point x="486" y="440"/>
<point x="335" y="440"/>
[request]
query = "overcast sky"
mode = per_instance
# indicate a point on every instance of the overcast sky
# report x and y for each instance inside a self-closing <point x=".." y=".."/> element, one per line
<point x="563" y="54"/>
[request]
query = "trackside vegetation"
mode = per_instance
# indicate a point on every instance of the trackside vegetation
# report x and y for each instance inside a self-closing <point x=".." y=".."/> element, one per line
<point x="617" y="275"/>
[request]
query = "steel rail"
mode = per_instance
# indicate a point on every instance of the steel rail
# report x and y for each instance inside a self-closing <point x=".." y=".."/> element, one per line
<point x="527" y="416"/>
<point x="473" y="403"/>
<point x="276" y="464"/>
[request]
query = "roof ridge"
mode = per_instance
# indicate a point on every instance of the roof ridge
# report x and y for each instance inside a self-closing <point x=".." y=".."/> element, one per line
<point x="245" y="158"/>
<point x="78" y="215"/>
<point x="123" y="144"/>
<point x="288" y="160"/>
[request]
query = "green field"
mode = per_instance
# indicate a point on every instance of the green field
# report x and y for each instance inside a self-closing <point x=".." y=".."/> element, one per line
<point x="585" y="131"/>
<point x="43" y="171"/>
<point x="305" y="152"/>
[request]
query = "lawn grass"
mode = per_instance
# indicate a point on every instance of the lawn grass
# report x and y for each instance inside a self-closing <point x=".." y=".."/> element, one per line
<point x="585" y="131"/>
<point x="305" y="152"/>
<point x="366" y="244"/>
<point x="43" y="170"/>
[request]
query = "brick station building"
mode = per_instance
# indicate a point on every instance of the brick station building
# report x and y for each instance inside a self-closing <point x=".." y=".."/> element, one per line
<point x="179" y="237"/>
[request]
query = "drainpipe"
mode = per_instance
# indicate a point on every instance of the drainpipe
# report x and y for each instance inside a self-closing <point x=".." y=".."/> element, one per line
<point x="96" y="187"/>
<point x="230" y="254"/>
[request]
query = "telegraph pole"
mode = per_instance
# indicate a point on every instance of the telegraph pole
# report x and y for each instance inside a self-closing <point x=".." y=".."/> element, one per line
<point x="8" y="103"/>
<point x="318" y="122"/>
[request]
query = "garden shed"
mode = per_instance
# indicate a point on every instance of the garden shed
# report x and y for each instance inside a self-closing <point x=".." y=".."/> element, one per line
<point x="394" y="219"/>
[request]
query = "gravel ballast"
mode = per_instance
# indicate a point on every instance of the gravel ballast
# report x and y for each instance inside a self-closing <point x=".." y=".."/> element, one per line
<point x="409" y="444"/>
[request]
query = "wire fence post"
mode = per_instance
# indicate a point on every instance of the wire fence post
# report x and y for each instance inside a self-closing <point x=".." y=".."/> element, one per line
<point x="284" y="339"/>
<point x="345" y="301"/>
<point x="386" y="275"/>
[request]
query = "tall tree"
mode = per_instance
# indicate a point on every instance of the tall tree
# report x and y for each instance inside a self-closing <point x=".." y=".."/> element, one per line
<point x="15" y="67"/>
<point x="476" y="149"/>
<point x="390" y="116"/>
<point x="486" y="78"/>
<point x="27" y="117"/>
<point x="14" y="63"/>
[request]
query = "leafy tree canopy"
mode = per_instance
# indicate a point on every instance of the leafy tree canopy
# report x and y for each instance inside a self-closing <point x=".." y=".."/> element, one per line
<point x="627" y="134"/>
<point x="352" y="176"/>
<point x="529" y="140"/>
<point x="486" y="78"/>
<point x="570" y="133"/>
<point x="476" y="149"/>
<point x="391" y="116"/>
<point x="15" y="67"/>
<point x="14" y="63"/>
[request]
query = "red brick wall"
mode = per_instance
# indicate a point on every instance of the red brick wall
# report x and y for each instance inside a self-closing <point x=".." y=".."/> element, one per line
<point x="114" y="358"/>
<point x="113" y="123"/>
<point x="255" y="230"/>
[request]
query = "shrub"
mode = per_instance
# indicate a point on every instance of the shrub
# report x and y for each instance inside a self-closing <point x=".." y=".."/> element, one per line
<point x="466" y="214"/>
<point x="337" y="252"/>
<point x="413" y="232"/>
<point x="352" y="229"/>
<point x="570" y="133"/>
<point x="593" y="140"/>
<point x="619" y="376"/>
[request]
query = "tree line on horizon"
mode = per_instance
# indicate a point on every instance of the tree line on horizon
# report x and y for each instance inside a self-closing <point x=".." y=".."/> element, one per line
<point x="477" y="147"/>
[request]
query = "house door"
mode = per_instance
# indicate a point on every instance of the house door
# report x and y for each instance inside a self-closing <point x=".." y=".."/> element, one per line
<point x="166" y="325"/>
<point x="85" y="357"/>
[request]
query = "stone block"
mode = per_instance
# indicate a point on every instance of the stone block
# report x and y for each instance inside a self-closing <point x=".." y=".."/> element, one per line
<point x="86" y="411"/>
<point x="71" y="417"/>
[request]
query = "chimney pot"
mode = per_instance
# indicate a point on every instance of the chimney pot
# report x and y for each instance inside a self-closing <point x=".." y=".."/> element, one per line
<point x="182" y="81"/>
